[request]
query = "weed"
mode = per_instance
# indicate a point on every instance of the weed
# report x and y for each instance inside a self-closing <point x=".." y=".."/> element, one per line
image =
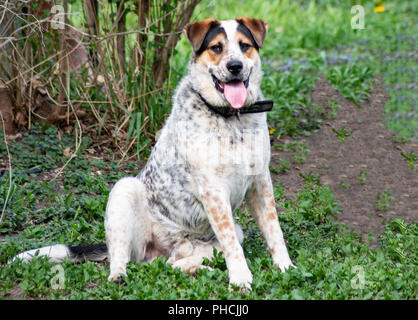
<point x="315" y="201"/>
<point x="352" y="81"/>
<point x="345" y="185"/>
<point x="274" y="170"/>
<point x="278" y="191"/>
<point x="284" y="165"/>
<point x="333" y="105"/>
<point x="342" y="133"/>
<point x="412" y="159"/>
<point x="362" y="176"/>
<point x="310" y="178"/>
<point x="298" y="148"/>
<point x="383" y="200"/>
<point x="301" y="152"/>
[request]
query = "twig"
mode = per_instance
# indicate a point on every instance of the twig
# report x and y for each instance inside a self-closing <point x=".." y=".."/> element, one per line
<point x="77" y="143"/>
<point x="10" y="171"/>
<point x="8" y="39"/>
<point x="4" y="12"/>
<point x="30" y="93"/>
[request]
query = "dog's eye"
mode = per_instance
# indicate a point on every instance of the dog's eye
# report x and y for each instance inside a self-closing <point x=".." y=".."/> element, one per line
<point x="244" y="46"/>
<point x="217" y="48"/>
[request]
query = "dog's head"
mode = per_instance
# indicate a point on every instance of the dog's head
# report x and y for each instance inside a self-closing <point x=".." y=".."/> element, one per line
<point x="226" y="66"/>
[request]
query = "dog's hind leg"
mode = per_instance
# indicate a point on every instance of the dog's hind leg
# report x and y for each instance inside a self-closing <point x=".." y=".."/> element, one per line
<point x="189" y="255"/>
<point x="127" y="225"/>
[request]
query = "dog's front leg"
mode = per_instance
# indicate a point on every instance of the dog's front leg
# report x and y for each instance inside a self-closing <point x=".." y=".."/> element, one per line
<point x="220" y="216"/>
<point x="261" y="200"/>
<point x="128" y="228"/>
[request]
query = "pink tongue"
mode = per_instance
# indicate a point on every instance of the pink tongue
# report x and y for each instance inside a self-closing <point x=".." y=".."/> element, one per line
<point x="235" y="93"/>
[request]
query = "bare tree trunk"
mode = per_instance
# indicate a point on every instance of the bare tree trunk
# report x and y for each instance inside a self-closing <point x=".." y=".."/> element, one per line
<point x="63" y="60"/>
<point x="120" y="39"/>
<point x="6" y="30"/>
<point x="9" y="71"/>
<point x="6" y="110"/>
<point x="143" y="12"/>
<point x="90" y="10"/>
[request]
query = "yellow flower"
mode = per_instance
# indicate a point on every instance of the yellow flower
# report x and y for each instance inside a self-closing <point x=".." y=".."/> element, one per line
<point x="272" y="130"/>
<point x="379" y="8"/>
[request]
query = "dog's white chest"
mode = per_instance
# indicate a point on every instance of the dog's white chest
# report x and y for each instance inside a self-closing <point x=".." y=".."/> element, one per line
<point x="229" y="154"/>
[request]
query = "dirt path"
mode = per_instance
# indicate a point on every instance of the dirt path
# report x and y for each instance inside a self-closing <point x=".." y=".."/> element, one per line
<point x="362" y="168"/>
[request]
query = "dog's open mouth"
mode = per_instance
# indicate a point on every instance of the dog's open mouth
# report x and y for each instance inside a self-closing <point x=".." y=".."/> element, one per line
<point x="235" y="91"/>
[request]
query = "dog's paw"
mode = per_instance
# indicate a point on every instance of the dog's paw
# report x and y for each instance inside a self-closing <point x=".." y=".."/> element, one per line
<point x="286" y="265"/>
<point x="241" y="281"/>
<point x="241" y="289"/>
<point x="117" y="277"/>
<point x="189" y="267"/>
<point x="282" y="260"/>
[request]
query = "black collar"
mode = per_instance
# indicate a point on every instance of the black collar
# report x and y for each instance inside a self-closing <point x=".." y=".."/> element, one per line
<point x="226" y="112"/>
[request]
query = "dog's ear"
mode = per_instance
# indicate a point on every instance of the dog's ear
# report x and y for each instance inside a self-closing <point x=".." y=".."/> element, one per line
<point x="196" y="32"/>
<point x="257" y="27"/>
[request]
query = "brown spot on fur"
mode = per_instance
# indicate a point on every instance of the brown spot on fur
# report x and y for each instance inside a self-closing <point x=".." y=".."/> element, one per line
<point x="220" y="170"/>
<point x="226" y="252"/>
<point x="224" y="225"/>
<point x="215" y="217"/>
<point x="265" y="188"/>
<point x="271" y="216"/>
<point x="271" y="205"/>
<point x="272" y="251"/>
<point x="216" y="200"/>
<point x="237" y="257"/>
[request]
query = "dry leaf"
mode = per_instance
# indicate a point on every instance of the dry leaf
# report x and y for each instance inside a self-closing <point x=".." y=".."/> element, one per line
<point x="67" y="152"/>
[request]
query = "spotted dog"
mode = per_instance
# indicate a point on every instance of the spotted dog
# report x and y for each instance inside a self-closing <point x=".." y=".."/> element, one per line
<point x="212" y="153"/>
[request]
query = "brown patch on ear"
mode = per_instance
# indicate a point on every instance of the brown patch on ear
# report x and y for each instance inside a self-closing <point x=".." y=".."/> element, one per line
<point x="257" y="27"/>
<point x="196" y="32"/>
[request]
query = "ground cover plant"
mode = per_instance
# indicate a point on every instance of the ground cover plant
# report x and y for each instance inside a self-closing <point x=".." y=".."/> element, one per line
<point x="57" y="198"/>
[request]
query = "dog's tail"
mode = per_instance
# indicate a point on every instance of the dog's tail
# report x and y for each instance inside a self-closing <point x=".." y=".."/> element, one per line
<point x="60" y="252"/>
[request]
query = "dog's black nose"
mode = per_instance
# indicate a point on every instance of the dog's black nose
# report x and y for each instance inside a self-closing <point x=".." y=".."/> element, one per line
<point x="234" y="66"/>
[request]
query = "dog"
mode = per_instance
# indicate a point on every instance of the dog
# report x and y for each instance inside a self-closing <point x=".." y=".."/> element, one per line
<point x="212" y="153"/>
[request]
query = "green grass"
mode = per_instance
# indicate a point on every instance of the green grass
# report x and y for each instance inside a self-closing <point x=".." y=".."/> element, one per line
<point x="306" y="39"/>
<point x="383" y="200"/>
<point x="411" y="158"/>
<point x="342" y="133"/>
<point x="42" y="213"/>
